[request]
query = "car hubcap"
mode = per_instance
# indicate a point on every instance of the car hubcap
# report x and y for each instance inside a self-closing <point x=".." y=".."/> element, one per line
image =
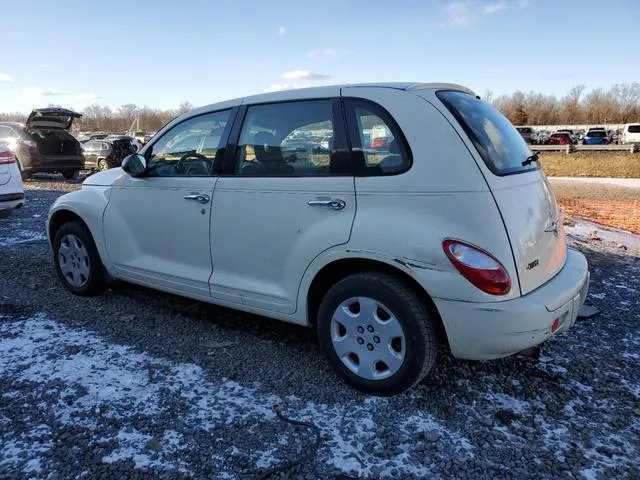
<point x="102" y="165"/>
<point x="368" y="338"/>
<point x="73" y="260"/>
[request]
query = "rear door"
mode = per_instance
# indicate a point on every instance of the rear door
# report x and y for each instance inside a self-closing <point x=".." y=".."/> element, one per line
<point x="5" y="154"/>
<point x="520" y="188"/>
<point x="283" y="200"/>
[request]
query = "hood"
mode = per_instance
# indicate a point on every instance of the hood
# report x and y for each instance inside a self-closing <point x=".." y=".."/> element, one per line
<point x="105" y="178"/>
<point x="51" y="118"/>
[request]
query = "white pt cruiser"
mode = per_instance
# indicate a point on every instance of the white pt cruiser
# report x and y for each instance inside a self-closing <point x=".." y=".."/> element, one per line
<point x="392" y="217"/>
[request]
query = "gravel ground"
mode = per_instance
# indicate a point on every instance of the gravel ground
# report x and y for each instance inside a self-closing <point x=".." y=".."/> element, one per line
<point x="141" y="384"/>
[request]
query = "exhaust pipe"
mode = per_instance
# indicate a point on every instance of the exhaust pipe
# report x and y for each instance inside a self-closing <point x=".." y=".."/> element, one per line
<point x="532" y="352"/>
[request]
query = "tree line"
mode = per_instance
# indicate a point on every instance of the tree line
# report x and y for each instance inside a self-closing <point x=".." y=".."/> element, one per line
<point x="619" y="104"/>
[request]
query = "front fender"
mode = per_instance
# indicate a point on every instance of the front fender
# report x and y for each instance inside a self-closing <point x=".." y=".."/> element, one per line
<point x="88" y="203"/>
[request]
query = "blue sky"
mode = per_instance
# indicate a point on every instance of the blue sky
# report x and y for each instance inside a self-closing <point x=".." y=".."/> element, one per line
<point x="160" y="53"/>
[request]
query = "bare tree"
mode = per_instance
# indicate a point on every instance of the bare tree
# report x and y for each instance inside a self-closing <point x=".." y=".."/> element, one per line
<point x="628" y="98"/>
<point x="184" y="107"/>
<point x="488" y="96"/>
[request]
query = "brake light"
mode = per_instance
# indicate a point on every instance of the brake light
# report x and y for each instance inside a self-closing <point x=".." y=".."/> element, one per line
<point x="478" y="267"/>
<point x="6" y="157"/>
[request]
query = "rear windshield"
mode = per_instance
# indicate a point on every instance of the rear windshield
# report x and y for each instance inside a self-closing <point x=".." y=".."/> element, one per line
<point x="597" y="133"/>
<point x="634" y="128"/>
<point x="498" y="142"/>
<point x="525" y="130"/>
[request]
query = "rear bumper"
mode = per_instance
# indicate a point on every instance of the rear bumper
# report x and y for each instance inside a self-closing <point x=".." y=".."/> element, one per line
<point x="58" y="163"/>
<point x="483" y="331"/>
<point x="10" y="201"/>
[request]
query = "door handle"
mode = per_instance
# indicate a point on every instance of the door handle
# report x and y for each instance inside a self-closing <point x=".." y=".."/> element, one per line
<point x="198" y="198"/>
<point x="335" y="204"/>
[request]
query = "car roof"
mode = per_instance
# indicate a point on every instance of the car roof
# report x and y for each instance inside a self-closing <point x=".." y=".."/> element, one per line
<point x="323" y="92"/>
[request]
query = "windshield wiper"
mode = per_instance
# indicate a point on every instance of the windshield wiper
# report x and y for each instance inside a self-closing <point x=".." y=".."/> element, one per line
<point x="531" y="158"/>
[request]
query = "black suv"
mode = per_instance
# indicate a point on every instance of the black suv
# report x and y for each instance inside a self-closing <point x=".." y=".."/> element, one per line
<point x="44" y="144"/>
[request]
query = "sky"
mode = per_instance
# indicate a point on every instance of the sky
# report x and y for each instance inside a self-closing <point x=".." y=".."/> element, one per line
<point x="161" y="53"/>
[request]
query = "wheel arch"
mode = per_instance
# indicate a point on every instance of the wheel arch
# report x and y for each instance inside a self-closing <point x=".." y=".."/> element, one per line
<point x="338" y="269"/>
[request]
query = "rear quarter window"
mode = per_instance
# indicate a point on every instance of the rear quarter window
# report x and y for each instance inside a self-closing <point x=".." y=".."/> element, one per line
<point x="495" y="138"/>
<point x="634" y="129"/>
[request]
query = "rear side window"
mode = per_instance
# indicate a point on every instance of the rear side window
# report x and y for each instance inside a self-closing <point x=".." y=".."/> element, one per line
<point x="378" y="145"/>
<point x="498" y="142"/>
<point x="634" y="128"/>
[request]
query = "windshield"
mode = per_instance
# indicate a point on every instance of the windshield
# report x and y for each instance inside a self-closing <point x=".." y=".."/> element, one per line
<point x="597" y="133"/>
<point x="498" y="142"/>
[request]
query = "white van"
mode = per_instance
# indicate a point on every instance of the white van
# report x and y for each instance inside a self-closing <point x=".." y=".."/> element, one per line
<point x="445" y="232"/>
<point x="631" y="133"/>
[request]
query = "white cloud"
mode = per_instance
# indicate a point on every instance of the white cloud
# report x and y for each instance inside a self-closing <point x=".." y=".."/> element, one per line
<point x="278" y="87"/>
<point x="43" y="92"/>
<point x="281" y="30"/>
<point x="524" y="3"/>
<point x="490" y="8"/>
<point x="304" y="75"/>
<point x="327" y="52"/>
<point x="458" y="14"/>
<point x="5" y="77"/>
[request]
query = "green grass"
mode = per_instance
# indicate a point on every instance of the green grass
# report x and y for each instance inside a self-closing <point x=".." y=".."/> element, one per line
<point x="591" y="164"/>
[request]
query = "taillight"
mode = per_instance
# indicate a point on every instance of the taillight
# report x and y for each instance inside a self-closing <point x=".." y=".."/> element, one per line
<point x="478" y="266"/>
<point x="6" y="157"/>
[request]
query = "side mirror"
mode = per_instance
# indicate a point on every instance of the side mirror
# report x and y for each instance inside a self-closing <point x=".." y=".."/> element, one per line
<point x="135" y="165"/>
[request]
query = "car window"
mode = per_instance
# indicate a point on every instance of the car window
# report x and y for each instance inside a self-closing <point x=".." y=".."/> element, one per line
<point x="104" y="146"/>
<point x="634" y="129"/>
<point x="6" y="132"/>
<point x="499" y="144"/>
<point x="190" y="148"/>
<point x="597" y="133"/>
<point x="286" y="139"/>
<point x="378" y="146"/>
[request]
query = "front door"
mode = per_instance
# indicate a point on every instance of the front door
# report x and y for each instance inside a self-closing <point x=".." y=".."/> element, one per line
<point x="287" y="196"/>
<point x="157" y="226"/>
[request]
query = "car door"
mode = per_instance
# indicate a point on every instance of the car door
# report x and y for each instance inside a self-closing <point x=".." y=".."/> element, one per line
<point x="156" y="226"/>
<point x="89" y="150"/>
<point x="283" y="199"/>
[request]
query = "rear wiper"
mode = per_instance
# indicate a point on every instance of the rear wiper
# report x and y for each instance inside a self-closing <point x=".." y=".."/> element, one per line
<point x="531" y="158"/>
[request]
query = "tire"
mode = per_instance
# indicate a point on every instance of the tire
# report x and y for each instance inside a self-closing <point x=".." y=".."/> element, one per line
<point x="70" y="174"/>
<point x="397" y="301"/>
<point x="102" y="165"/>
<point x="93" y="273"/>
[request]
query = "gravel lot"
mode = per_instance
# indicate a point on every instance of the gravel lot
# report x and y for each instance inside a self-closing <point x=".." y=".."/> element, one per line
<point x="142" y="384"/>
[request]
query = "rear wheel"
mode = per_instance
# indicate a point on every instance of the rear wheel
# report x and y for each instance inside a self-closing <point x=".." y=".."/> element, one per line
<point x="376" y="332"/>
<point x="102" y="165"/>
<point x="71" y="174"/>
<point x="77" y="260"/>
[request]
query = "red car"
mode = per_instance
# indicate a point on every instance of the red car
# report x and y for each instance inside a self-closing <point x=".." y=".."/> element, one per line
<point x="561" y="139"/>
<point x="379" y="143"/>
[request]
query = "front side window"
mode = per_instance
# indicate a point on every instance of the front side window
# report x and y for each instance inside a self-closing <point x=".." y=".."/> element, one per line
<point x="286" y="139"/>
<point x="498" y="142"/>
<point x="190" y="148"/>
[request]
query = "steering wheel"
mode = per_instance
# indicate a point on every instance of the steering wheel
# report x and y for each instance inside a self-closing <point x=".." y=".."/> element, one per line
<point x="198" y="156"/>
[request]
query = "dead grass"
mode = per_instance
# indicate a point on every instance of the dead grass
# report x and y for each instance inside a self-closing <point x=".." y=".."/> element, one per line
<point x="589" y="191"/>
<point x="591" y="164"/>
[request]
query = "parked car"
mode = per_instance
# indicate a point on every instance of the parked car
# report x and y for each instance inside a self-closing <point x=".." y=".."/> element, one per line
<point x="134" y="142"/>
<point x="561" y="138"/>
<point x="103" y="154"/>
<point x="573" y="135"/>
<point x="596" y="137"/>
<point x="44" y="143"/>
<point x="579" y="134"/>
<point x="543" y="137"/>
<point x="631" y="133"/>
<point x="529" y="135"/>
<point x="11" y="191"/>
<point x="456" y="237"/>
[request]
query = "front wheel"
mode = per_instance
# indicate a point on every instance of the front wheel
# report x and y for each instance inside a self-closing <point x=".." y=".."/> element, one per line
<point x="77" y="260"/>
<point x="71" y="174"/>
<point x="377" y="333"/>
